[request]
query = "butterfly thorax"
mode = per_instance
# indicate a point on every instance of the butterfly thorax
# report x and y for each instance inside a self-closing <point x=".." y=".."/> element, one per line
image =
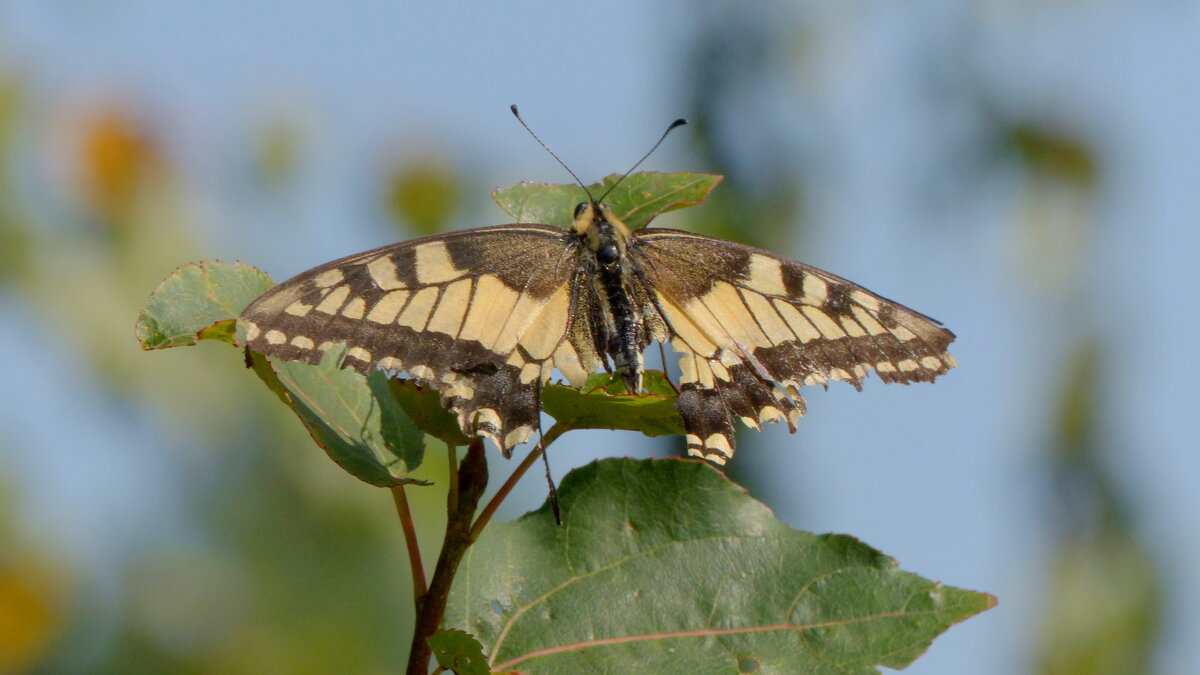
<point x="604" y="258"/>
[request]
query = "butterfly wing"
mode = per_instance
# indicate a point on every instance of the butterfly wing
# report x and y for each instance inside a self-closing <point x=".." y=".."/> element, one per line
<point x="752" y="327"/>
<point x="481" y="315"/>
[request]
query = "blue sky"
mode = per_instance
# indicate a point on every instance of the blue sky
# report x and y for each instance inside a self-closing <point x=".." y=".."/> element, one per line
<point x="944" y="478"/>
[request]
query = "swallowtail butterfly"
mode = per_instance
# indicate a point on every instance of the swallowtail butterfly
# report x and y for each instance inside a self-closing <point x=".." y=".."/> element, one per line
<point x="485" y="316"/>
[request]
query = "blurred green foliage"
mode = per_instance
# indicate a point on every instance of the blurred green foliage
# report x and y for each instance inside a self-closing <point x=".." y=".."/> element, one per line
<point x="34" y="593"/>
<point x="422" y="193"/>
<point x="265" y="516"/>
<point x="1103" y="608"/>
<point x="278" y="153"/>
<point x="1052" y="153"/>
<point x="14" y="235"/>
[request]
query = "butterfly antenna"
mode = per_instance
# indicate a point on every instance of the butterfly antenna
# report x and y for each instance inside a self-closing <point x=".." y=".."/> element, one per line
<point x="545" y="147"/>
<point x="677" y="123"/>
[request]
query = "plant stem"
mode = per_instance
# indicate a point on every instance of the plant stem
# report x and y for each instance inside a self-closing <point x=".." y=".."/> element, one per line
<point x="410" y="541"/>
<point x="467" y="482"/>
<point x="486" y="515"/>
<point x="452" y="462"/>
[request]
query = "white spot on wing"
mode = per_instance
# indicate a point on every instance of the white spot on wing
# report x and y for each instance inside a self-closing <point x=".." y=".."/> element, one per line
<point x="766" y="275"/>
<point x="433" y="264"/>
<point x="823" y="323"/>
<point x="417" y="312"/>
<point x="452" y="306"/>
<point x="298" y="308"/>
<point x="816" y="291"/>
<point x="383" y="273"/>
<point x="546" y="330"/>
<point x="421" y="372"/>
<point x="803" y="329"/>
<point x="733" y="316"/>
<point x="852" y="327"/>
<point x="873" y="327"/>
<point x="328" y="278"/>
<point x="355" y="308"/>
<point x="770" y="414"/>
<point x="333" y="302"/>
<point x="388" y="307"/>
<point x="691" y="327"/>
<point x="567" y="361"/>
<point x="777" y="331"/>
<point x="530" y="372"/>
<point x="490" y="306"/>
<point x="518" y="435"/>
<point x="718" y="442"/>
<point x="865" y="299"/>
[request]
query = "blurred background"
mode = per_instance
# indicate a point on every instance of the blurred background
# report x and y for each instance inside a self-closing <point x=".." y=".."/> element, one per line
<point x="1024" y="171"/>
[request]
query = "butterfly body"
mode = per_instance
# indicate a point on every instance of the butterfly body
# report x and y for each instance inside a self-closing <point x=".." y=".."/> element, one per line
<point x="485" y="316"/>
<point x="603" y="256"/>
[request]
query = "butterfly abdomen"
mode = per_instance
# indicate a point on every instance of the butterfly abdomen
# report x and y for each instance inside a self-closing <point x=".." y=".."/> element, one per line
<point x="625" y="345"/>
<point x="624" y="336"/>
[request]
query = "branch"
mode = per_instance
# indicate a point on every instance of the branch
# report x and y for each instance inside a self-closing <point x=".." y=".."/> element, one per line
<point x="467" y="484"/>
<point x="410" y="541"/>
<point x="486" y="515"/>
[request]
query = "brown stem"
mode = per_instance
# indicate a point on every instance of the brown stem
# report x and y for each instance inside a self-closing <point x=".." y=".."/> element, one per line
<point x="410" y="540"/>
<point x="467" y="484"/>
<point x="486" y="515"/>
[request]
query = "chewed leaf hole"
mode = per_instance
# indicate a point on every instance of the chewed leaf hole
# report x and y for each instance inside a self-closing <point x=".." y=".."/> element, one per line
<point x="747" y="664"/>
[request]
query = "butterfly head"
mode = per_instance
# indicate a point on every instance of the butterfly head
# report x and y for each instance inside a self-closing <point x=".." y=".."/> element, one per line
<point x="606" y="236"/>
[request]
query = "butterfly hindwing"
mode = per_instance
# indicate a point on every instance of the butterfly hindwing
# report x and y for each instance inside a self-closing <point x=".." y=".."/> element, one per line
<point x="753" y="327"/>
<point x="481" y="315"/>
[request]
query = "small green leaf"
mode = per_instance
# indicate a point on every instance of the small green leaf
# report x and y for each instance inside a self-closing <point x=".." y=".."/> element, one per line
<point x="636" y="201"/>
<point x="602" y="404"/>
<point x="356" y="419"/>
<point x="262" y="367"/>
<point x="399" y="433"/>
<point x="353" y="418"/>
<point x="199" y="301"/>
<point x="459" y="652"/>
<point x="665" y="566"/>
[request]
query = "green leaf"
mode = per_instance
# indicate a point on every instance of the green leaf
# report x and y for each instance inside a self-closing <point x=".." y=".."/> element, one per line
<point x="199" y="301"/>
<point x="636" y="201"/>
<point x="354" y="418"/>
<point x="602" y="404"/>
<point x="358" y="420"/>
<point x="664" y="566"/>
<point x="459" y="652"/>
<point x="423" y="406"/>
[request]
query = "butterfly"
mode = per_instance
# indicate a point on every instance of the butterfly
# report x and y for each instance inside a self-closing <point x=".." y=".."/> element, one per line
<point x="485" y="316"/>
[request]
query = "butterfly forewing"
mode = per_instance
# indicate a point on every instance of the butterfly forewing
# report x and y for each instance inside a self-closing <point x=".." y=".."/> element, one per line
<point x="752" y="327"/>
<point x="482" y="315"/>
